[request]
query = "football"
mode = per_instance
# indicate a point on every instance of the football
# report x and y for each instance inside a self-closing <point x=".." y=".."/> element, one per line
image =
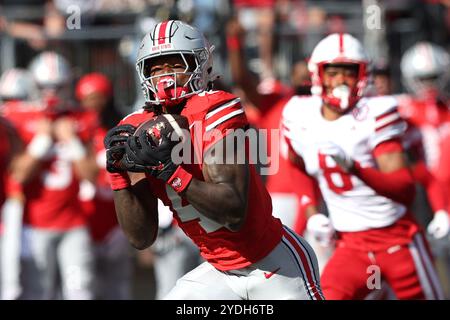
<point x="164" y="124"/>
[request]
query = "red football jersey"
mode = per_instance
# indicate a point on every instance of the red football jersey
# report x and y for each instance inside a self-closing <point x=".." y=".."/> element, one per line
<point x="224" y="249"/>
<point x="427" y="121"/>
<point x="100" y="210"/>
<point x="52" y="195"/>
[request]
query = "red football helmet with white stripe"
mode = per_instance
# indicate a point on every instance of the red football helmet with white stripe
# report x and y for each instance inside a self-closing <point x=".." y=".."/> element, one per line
<point x="338" y="49"/>
<point x="174" y="37"/>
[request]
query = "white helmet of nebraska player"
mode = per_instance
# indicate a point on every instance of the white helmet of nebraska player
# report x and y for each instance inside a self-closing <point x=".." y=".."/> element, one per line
<point x="16" y="84"/>
<point x="338" y="48"/>
<point x="52" y="75"/>
<point x="170" y="38"/>
<point x="425" y="69"/>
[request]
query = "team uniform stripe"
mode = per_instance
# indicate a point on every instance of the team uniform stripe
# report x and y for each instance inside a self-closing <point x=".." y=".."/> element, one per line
<point x="155" y="32"/>
<point x="386" y="120"/>
<point x="224" y="118"/>
<point x="292" y="250"/>
<point x="306" y="251"/>
<point x="224" y="106"/>
<point x="341" y="43"/>
<point x="399" y="120"/>
<point x="162" y="33"/>
<point x="305" y="265"/>
<point x="429" y="266"/>
<point x="169" y="34"/>
<point x="387" y="114"/>
<point x="424" y="280"/>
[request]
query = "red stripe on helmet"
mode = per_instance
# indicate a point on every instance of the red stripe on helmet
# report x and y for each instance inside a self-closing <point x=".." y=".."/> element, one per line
<point x="341" y="43"/>
<point x="162" y="32"/>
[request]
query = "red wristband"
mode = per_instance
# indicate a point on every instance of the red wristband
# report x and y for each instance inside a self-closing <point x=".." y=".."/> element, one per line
<point x="233" y="43"/>
<point x="180" y="179"/>
<point x="119" y="181"/>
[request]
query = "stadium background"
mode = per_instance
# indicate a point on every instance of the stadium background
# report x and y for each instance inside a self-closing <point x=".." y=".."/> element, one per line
<point x="108" y="34"/>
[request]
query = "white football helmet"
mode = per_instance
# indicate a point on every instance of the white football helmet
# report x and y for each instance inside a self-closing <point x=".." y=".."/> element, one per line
<point x="16" y="84"/>
<point x="52" y="75"/>
<point x="425" y="69"/>
<point x="335" y="49"/>
<point x="170" y="38"/>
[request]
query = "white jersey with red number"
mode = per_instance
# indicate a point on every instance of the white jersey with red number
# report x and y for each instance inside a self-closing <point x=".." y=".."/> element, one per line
<point x="353" y="205"/>
<point x="224" y="249"/>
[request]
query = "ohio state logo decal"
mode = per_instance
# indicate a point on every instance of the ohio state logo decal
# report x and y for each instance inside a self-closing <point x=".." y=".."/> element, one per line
<point x="176" y="183"/>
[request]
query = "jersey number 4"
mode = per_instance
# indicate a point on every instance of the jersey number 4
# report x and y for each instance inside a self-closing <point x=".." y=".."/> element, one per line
<point x="188" y="212"/>
<point x="337" y="179"/>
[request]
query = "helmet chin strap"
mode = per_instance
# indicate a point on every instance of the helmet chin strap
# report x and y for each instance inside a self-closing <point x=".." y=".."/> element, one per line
<point x="169" y="92"/>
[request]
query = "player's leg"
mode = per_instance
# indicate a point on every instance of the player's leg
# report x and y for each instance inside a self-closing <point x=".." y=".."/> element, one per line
<point x="76" y="262"/>
<point x="289" y="272"/>
<point x="285" y="207"/>
<point x="12" y="216"/>
<point x="346" y="274"/>
<point x="114" y="267"/>
<point x="203" y="283"/>
<point x="410" y="271"/>
<point x="175" y="255"/>
<point x="43" y="274"/>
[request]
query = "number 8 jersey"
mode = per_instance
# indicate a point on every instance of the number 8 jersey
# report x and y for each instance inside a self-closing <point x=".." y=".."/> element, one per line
<point x="352" y="205"/>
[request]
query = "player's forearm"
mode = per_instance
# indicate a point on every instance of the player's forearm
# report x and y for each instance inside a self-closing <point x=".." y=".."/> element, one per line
<point x="24" y="168"/>
<point x="397" y="185"/>
<point x="435" y="190"/>
<point x="137" y="212"/>
<point x="86" y="169"/>
<point x="218" y="202"/>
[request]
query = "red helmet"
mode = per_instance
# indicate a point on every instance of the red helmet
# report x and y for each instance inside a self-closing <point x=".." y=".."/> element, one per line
<point x="93" y="83"/>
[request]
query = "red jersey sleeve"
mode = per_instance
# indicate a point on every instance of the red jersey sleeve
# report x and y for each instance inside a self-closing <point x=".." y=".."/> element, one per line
<point x="221" y="120"/>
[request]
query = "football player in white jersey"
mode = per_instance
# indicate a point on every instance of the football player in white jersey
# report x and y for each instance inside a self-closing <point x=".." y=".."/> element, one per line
<point x="352" y="146"/>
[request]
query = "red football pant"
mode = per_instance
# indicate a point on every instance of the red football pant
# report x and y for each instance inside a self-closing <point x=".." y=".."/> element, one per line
<point x="408" y="269"/>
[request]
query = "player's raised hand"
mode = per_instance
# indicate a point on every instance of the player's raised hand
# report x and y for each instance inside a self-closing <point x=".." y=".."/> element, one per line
<point x="114" y="143"/>
<point x="338" y="154"/>
<point x="439" y="227"/>
<point x="319" y="226"/>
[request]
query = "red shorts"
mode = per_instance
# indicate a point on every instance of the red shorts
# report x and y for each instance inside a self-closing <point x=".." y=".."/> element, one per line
<point x="407" y="269"/>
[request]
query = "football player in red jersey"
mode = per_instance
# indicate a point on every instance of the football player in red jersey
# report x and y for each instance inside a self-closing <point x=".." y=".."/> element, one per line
<point x="16" y="86"/>
<point x="223" y="208"/>
<point x="425" y="72"/>
<point x="111" y="248"/>
<point x="49" y="170"/>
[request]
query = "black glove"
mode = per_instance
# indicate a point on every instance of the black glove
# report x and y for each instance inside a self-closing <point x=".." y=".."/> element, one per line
<point x="115" y="142"/>
<point x="150" y="158"/>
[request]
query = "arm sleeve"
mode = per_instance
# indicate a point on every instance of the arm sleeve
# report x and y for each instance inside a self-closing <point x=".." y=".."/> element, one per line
<point x="388" y="125"/>
<point x="397" y="185"/>
<point x="435" y="190"/>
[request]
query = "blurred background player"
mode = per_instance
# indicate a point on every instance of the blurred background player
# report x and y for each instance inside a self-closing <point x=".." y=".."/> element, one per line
<point x="16" y="89"/>
<point x="49" y="170"/>
<point x="352" y="146"/>
<point x="113" y="264"/>
<point x="425" y="71"/>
